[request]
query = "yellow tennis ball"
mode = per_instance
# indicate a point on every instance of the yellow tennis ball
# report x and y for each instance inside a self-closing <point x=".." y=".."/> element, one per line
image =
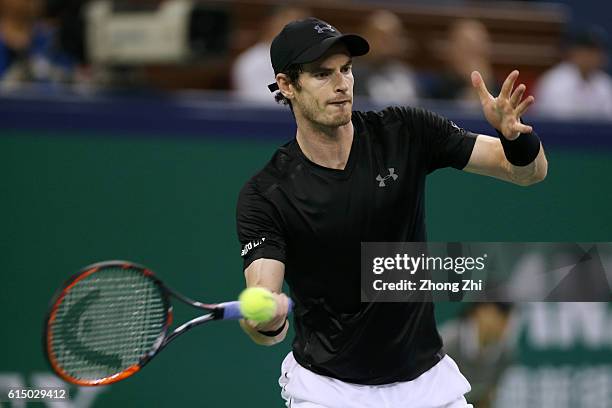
<point x="257" y="304"/>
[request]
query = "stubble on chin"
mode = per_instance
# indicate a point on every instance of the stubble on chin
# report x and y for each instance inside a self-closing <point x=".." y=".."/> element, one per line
<point x="342" y="120"/>
<point x="318" y="116"/>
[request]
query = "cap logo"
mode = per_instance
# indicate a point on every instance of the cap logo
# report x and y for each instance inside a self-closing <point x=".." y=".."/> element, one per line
<point x="326" y="27"/>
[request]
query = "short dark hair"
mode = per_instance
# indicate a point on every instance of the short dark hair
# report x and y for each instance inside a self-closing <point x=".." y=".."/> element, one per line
<point x="293" y="72"/>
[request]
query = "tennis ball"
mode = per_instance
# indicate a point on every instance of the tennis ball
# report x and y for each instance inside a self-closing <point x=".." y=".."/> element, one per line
<point x="257" y="304"/>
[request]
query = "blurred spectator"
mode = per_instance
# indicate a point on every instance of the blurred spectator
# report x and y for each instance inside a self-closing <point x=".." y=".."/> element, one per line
<point x="252" y="70"/>
<point x="381" y="75"/>
<point x="578" y="86"/>
<point x="28" y="48"/>
<point x="468" y="49"/>
<point x="483" y="343"/>
<point x="68" y="17"/>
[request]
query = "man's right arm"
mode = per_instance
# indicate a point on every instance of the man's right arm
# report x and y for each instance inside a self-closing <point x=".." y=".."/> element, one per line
<point x="269" y="274"/>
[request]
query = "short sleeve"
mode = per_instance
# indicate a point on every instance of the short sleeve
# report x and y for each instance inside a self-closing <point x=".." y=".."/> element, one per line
<point x="445" y="143"/>
<point x="259" y="227"/>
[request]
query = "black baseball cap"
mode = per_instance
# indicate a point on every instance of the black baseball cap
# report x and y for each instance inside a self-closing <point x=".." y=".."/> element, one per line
<point x="304" y="41"/>
<point x="590" y="36"/>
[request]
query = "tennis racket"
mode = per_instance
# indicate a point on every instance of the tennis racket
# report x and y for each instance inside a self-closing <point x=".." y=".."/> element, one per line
<point x="112" y="318"/>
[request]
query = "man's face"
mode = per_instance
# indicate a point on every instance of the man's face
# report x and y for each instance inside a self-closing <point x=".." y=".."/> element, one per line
<point x="325" y="97"/>
<point x="588" y="59"/>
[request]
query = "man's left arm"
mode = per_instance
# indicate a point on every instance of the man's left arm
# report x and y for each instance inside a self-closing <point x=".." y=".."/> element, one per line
<point x="517" y="156"/>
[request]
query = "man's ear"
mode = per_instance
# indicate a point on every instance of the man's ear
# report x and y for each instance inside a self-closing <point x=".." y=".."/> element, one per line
<point x="285" y="86"/>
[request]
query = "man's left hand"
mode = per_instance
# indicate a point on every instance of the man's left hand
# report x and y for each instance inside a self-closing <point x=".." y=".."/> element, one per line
<point x="504" y="111"/>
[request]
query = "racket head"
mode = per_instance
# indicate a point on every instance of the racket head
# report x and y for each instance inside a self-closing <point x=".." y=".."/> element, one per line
<point x="106" y="322"/>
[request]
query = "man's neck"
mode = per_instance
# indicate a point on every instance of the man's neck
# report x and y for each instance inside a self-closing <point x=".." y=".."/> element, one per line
<point x="327" y="147"/>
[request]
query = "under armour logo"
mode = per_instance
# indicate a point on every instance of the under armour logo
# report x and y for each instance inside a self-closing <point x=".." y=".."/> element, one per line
<point x="391" y="175"/>
<point x="327" y="27"/>
<point x="455" y="125"/>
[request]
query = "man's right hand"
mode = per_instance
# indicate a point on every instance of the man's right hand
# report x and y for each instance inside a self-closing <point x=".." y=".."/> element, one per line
<point x="254" y="329"/>
<point x="269" y="274"/>
<point x="282" y="309"/>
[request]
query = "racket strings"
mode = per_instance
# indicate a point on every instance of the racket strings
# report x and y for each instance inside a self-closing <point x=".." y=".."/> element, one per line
<point x="106" y="323"/>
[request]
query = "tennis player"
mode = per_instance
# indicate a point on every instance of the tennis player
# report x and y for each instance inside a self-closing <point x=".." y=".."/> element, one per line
<point x="349" y="177"/>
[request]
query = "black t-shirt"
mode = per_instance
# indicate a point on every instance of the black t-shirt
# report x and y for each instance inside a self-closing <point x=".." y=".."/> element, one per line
<point x="313" y="219"/>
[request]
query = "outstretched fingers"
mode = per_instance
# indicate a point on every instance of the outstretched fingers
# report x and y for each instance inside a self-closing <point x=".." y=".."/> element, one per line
<point x="522" y="128"/>
<point x="508" y="84"/>
<point x="523" y="106"/>
<point x="517" y="95"/>
<point x="481" y="88"/>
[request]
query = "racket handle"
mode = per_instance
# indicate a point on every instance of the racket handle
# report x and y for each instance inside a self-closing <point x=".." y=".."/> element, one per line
<point x="231" y="310"/>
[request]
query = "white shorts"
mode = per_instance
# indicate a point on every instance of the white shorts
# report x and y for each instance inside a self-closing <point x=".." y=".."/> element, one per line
<point x="442" y="386"/>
